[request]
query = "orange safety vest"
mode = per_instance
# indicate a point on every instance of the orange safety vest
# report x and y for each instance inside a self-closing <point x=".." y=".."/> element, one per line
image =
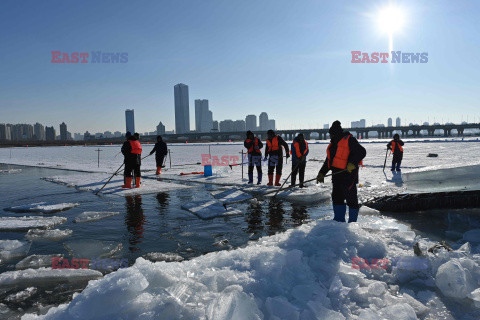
<point x="296" y="145"/>
<point x="341" y="156"/>
<point x="136" y="147"/>
<point x="255" y="144"/>
<point x="273" y="145"/>
<point x="394" y="144"/>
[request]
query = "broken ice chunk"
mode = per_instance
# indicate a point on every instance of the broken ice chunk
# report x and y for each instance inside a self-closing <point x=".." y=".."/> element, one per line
<point x="36" y="261"/>
<point x="25" y="223"/>
<point x="43" y="207"/>
<point x="91" y="249"/>
<point x="46" y="276"/>
<point x="89" y="216"/>
<point x="49" y="234"/>
<point x="13" y="249"/>
<point x="21" y="295"/>
<point x="167" y="257"/>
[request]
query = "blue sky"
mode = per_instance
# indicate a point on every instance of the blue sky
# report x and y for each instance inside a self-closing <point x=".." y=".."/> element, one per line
<point x="290" y="59"/>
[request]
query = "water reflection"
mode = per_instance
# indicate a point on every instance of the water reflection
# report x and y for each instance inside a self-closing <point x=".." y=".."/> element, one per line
<point x="164" y="201"/>
<point x="299" y="214"/>
<point x="134" y="220"/>
<point x="275" y="216"/>
<point x="254" y="219"/>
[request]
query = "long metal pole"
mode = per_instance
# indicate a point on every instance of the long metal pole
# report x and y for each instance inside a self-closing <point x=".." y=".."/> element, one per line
<point x="170" y="157"/>
<point x="242" y="164"/>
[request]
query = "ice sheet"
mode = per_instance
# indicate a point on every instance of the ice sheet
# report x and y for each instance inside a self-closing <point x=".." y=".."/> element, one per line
<point x="94" y="181"/>
<point x="42" y="207"/>
<point x="13" y="249"/>
<point x="231" y="195"/>
<point x="46" y="276"/>
<point x="89" y="216"/>
<point x="47" y="235"/>
<point x="167" y="257"/>
<point x="36" y="261"/>
<point x="91" y="249"/>
<point x="209" y="209"/>
<point x="442" y="180"/>
<point x="26" y="223"/>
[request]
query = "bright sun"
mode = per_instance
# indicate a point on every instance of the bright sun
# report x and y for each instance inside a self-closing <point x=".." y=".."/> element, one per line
<point x="390" y="19"/>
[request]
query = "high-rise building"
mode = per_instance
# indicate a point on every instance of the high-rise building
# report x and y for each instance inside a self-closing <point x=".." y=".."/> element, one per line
<point x="77" y="136"/>
<point x="398" y="122"/>
<point x="251" y="122"/>
<point x="363" y="123"/>
<point x="39" y="132"/>
<point x="87" y="136"/>
<point x="182" y="114"/>
<point x="390" y="122"/>
<point x="50" y="133"/>
<point x="326" y="126"/>
<point x="130" y="121"/>
<point x="5" y="133"/>
<point x="203" y="116"/>
<point x="21" y="132"/>
<point x="63" y="131"/>
<point x="108" y="134"/>
<point x="160" y="129"/>
<point x="117" y="134"/>
<point x="263" y="119"/>
<point x="239" y="125"/>
<point x="226" y="126"/>
<point x="271" y="124"/>
<point x="215" y="126"/>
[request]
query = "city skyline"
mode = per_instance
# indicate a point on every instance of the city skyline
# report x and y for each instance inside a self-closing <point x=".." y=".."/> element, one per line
<point x="241" y="62"/>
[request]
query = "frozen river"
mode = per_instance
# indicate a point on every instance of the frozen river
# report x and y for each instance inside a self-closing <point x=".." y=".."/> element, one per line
<point x="154" y="222"/>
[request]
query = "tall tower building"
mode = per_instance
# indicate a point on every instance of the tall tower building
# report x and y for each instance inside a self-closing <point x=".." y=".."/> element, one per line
<point x="263" y="121"/>
<point x="390" y="122"/>
<point x="50" y="133"/>
<point x="130" y="121"/>
<point x="182" y="115"/>
<point x="398" y="122"/>
<point x="39" y="131"/>
<point x="203" y="116"/>
<point x="251" y="122"/>
<point x="160" y="128"/>
<point x="63" y="131"/>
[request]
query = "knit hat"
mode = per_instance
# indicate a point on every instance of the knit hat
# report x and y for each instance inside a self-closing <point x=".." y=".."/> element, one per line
<point x="335" y="129"/>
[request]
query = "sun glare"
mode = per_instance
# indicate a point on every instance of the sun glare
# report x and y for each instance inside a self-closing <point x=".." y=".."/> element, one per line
<point x="390" y="19"/>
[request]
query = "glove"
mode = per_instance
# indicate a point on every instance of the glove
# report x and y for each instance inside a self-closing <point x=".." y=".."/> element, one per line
<point x="302" y="158"/>
<point x="351" y="167"/>
<point x="320" y="178"/>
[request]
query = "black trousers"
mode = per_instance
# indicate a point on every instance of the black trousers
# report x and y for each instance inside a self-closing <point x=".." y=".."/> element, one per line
<point x="132" y="167"/>
<point x="275" y="162"/>
<point x="254" y="161"/>
<point x="159" y="160"/>
<point x="397" y="161"/>
<point x="345" y="189"/>
<point x="300" y="170"/>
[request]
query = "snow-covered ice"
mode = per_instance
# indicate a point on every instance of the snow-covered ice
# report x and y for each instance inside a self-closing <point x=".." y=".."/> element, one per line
<point x="47" y="234"/>
<point x="303" y="273"/>
<point x="13" y="249"/>
<point x="46" y="276"/>
<point x="231" y="195"/>
<point x="21" y="295"/>
<point x="36" y="261"/>
<point x="94" y="181"/>
<point x="209" y="209"/>
<point x="92" y="248"/>
<point x="10" y="171"/>
<point x="89" y="216"/>
<point x="26" y="223"/>
<point x="42" y="207"/>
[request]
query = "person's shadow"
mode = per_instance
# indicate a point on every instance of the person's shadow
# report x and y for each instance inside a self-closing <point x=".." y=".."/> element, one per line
<point x="396" y="178"/>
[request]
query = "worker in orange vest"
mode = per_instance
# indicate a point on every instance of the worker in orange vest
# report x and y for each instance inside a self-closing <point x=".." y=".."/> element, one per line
<point x="254" y="146"/>
<point x="275" y="156"/>
<point x="299" y="153"/>
<point x="344" y="155"/>
<point x="132" y="151"/>
<point x="396" y="145"/>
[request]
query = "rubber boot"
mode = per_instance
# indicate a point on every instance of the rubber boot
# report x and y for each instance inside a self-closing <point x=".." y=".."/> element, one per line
<point x="259" y="179"/>
<point x="270" y="180"/>
<point x="128" y="183"/>
<point x="159" y="171"/>
<point x="294" y="180"/>
<point x="352" y="215"/>
<point x="339" y="211"/>
<point x="277" y="180"/>
<point x="137" y="182"/>
<point x="250" y="178"/>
